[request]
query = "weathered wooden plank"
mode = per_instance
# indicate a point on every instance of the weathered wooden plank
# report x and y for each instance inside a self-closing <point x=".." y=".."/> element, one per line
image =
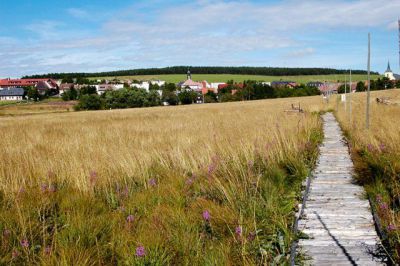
<point x="336" y="216"/>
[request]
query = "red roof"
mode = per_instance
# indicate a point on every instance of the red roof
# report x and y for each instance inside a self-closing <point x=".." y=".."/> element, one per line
<point x="24" y="82"/>
<point x="223" y="86"/>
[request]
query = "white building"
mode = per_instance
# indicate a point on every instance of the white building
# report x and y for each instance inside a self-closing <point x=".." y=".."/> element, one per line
<point x="12" y="94"/>
<point x="143" y="85"/>
<point x="158" y="82"/>
<point x="389" y="73"/>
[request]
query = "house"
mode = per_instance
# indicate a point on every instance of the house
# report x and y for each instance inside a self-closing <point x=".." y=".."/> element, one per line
<point x="102" y="88"/>
<point x="44" y="86"/>
<point x="14" y="83"/>
<point x="315" y="84"/>
<point x="12" y="94"/>
<point x="267" y="83"/>
<point x="66" y="86"/>
<point x="329" y="88"/>
<point x="235" y="86"/>
<point x="158" y="82"/>
<point x="283" y="84"/>
<point x="215" y="85"/>
<point x="145" y="85"/>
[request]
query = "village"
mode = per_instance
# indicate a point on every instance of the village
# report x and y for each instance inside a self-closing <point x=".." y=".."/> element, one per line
<point x="16" y="89"/>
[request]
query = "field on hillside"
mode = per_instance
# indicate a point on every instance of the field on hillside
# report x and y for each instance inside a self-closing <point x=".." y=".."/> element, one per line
<point x="377" y="157"/>
<point x="213" y="184"/>
<point x="33" y="108"/>
<point x="240" y="78"/>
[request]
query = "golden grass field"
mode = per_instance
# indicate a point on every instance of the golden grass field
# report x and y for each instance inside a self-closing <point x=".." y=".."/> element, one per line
<point x="213" y="184"/>
<point x="377" y="156"/>
<point x="86" y="172"/>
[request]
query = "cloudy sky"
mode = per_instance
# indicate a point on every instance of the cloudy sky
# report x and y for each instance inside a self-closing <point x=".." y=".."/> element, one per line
<point x="42" y="36"/>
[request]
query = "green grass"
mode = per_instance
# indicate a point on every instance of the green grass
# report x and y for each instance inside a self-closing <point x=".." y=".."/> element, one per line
<point x="4" y="103"/>
<point x="239" y="78"/>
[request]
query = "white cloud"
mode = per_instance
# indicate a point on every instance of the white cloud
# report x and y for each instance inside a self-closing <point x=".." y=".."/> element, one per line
<point x="77" y="12"/>
<point x="203" y="32"/>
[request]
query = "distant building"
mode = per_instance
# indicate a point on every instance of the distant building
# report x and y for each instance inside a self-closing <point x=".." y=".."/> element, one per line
<point x="102" y="88"/>
<point x="315" y="84"/>
<point x="389" y="73"/>
<point x="158" y="82"/>
<point x="283" y="84"/>
<point x="202" y="87"/>
<point x="145" y="85"/>
<point x="15" y="83"/>
<point x="330" y="88"/>
<point x="12" y="94"/>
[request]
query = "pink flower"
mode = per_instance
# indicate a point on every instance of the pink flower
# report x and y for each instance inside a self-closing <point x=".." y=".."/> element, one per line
<point x="238" y="231"/>
<point x="47" y="250"/>
<point x="251" y="236"/>
<point x="383" y="206"/>
<point x="206" y="216"/>
<point x="152" y="182"/>
<point x="140" y="251"/>
<point x="43" y="187"/>
<point x="130" y="218"/>
<point x="391" y="227"/>
<point x="15" y="254"/>
<point x="6" y="233"/>
<point x="93" y="177"/>
<point x="25" y="243"/>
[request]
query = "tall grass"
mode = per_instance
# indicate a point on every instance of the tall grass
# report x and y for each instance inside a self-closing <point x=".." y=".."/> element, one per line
<point x="206" y="184"/>
<point x="377" y="156"/>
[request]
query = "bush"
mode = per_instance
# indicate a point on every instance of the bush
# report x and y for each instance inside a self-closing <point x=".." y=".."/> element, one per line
<point x="90" y="102"/>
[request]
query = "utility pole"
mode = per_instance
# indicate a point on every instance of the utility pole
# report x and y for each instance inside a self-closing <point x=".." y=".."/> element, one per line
<point x="351" y="91"/>
<point x="345" y="93"/>
<point x="369" y="81"/>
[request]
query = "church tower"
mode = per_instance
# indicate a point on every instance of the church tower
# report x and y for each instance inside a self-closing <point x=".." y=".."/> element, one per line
<point x="189" y="75"/>
<point x="389" y="73"/>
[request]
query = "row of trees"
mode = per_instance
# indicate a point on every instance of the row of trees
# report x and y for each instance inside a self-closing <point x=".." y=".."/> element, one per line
<point x="379" y="84"/>
<point x="170" y="94"/>
<point x="267" y="71"/>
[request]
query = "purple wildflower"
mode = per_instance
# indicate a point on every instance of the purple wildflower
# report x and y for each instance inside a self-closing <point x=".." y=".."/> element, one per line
<point x="140" y="251"/>
<point x="6" y="233"/>
<point x="152" y="182"/>
<point x="15" y="254"/>
<point x="238" y="231"/>
<point x="43" y="187"/>
<point x="370" y="147"/>
<point x="206" y="216"/>
<point x="391" y="227"/>
<point x="47" y="250"/>
<point x="93" y="177"/>
<point x="382" y="147"/>
<point x="189" y="181"/>
<point x="250" y="164"/>
<point x="21" y="190"/>
<point x="251" y="236"/>
<point x="25" y="243"/>
<point x="130" y="218"/>
<point x="383" y="206"/>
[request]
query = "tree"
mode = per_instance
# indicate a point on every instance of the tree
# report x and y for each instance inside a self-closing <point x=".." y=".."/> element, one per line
<point x="70" y="95"/>
<point x="90" y="102"/>
<point x="170" y="97"/>
<point x="187" y="96"/>
<point x="360" y="86"/>
<point x="87" y="90"/>
<point x="33" y="94"/>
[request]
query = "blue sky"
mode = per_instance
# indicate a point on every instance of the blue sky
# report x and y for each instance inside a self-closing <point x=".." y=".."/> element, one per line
<point x="43" y="36"/>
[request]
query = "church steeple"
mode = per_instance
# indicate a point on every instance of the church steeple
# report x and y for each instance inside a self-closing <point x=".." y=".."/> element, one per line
<point x="189" y="76"/>
<point x="388" y="68"/>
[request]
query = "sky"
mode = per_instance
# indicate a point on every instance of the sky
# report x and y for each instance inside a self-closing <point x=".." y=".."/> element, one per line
<point x="48" y="36"/>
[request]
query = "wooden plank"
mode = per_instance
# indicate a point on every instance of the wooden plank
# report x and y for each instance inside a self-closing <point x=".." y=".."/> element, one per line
<point x="336" y="217"/>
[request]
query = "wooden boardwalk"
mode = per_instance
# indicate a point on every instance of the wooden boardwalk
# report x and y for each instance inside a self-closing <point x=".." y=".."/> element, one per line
<point x="337" y="219"/>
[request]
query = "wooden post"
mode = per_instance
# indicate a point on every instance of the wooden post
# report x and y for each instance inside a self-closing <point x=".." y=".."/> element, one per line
<point x="350" y="101"/>
<point x="369" y="82"/>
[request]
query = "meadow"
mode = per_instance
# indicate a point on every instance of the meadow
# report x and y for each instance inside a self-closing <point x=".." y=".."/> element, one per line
<point x="52" y="105"/>
<point x="376" y="153"/>
<point x="240" y="78"/>
<point x="213" y="184"/>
